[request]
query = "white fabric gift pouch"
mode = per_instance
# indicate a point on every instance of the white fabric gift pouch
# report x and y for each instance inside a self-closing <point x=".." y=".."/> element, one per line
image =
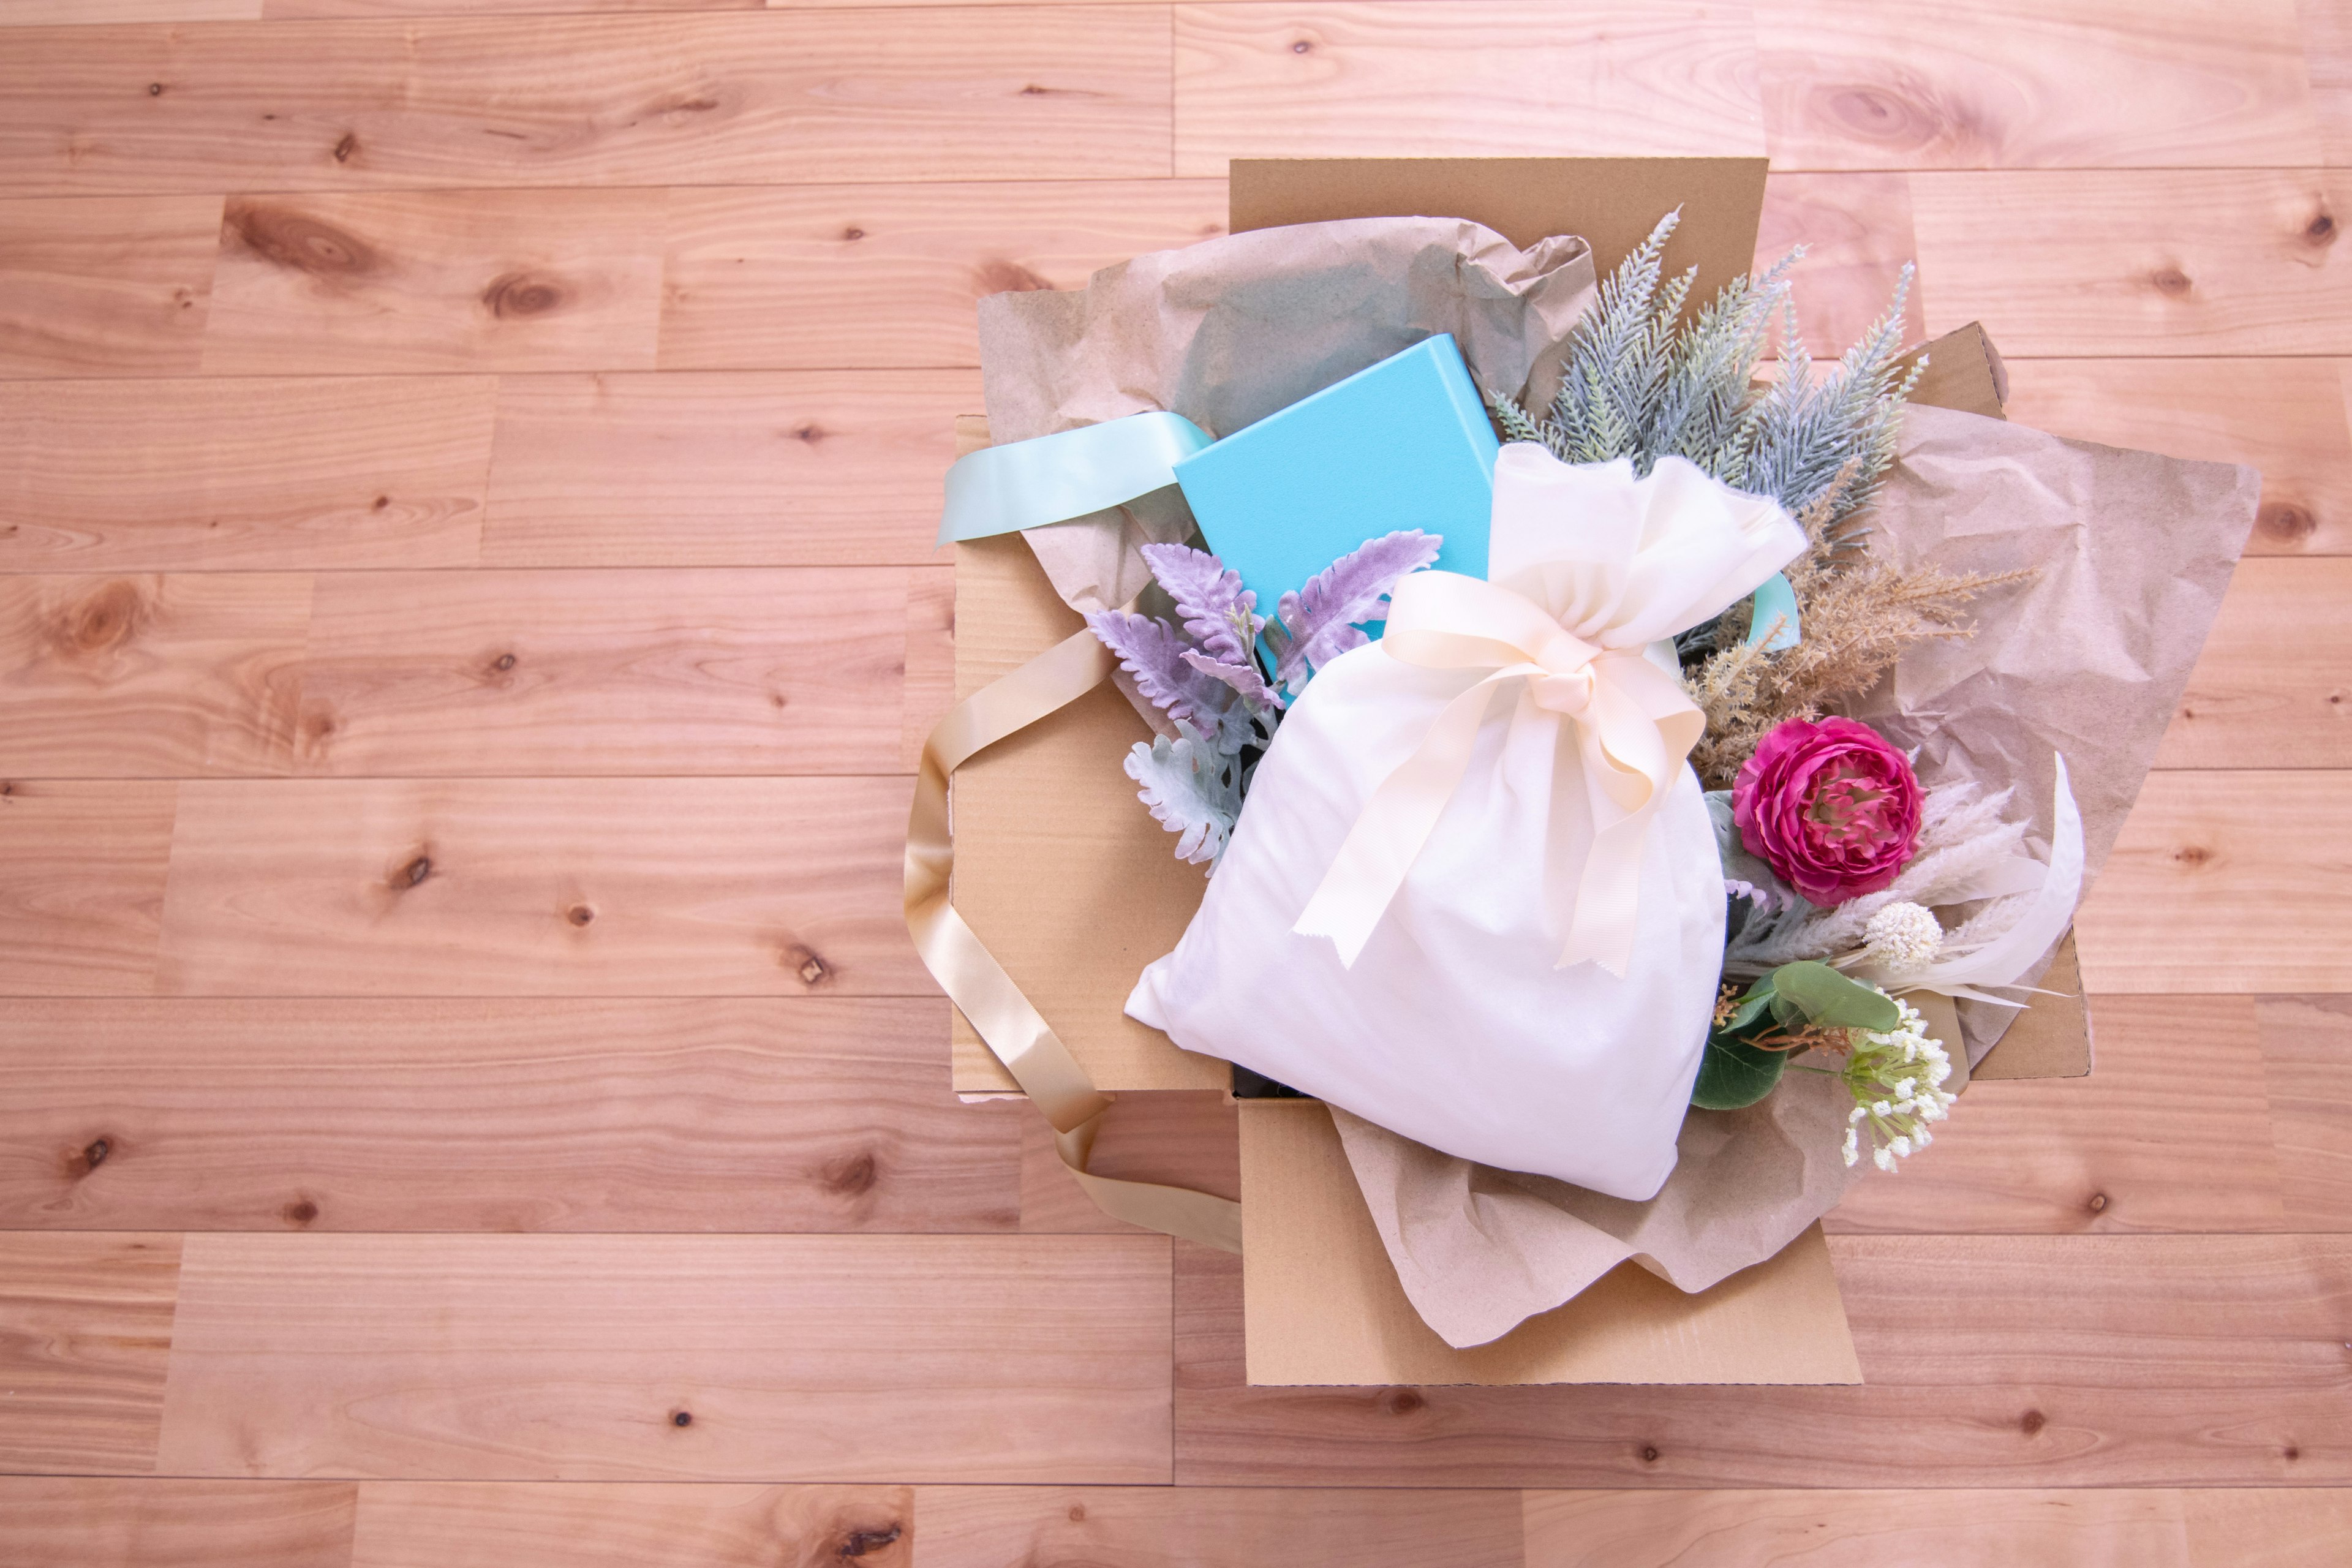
<point x="1473" y="895"/>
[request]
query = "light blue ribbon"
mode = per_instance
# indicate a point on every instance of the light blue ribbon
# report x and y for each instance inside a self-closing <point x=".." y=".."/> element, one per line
<point x="1775" y="602"/>
<point x="1028" y="484"/>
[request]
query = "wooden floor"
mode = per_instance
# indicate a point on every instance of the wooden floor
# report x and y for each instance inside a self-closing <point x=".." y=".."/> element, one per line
<point x="466" y="1094"/>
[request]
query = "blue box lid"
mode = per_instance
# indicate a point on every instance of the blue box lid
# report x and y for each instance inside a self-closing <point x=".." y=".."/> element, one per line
<point x="1404" y="444"/>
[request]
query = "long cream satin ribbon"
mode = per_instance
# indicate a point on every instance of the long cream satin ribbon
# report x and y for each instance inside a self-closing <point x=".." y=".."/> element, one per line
<point x="1011" y="1027"/>
<point x="1633" y="726"/>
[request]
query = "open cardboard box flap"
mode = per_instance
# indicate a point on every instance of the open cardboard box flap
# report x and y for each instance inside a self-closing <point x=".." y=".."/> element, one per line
<point x="1071" y="885"/>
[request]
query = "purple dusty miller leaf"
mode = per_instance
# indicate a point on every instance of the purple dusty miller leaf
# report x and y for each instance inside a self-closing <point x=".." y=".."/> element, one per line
<point x="1153" y="654"/>
<point x="1192" y="791"/>
<point x="1219" y="613"/>
<point x="1245" y="678"/>
<point x="1321" y="622"/>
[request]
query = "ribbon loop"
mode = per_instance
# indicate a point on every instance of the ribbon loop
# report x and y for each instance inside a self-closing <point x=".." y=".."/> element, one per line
<point x="1634" y="728"/>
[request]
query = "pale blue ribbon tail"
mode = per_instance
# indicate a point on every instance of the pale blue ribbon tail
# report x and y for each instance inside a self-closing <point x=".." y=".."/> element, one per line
<point x="1773" y="624"/>
<point x="1028" y="484"/>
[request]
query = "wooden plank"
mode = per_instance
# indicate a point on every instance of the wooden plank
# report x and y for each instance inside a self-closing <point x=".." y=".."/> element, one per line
<point x="554" y="1114"/>
<point x="682" y="670"/>
<point x="2094" y="263"/>
<point x="151" y="675"/>
<point x="2018" y="1528"/>
<point x="2171" y="1133"/>
<point x="2117" y="1427"/>
<point x="2272" y="1528"/>
<point x="1225" y="1527"/>
<point x="114" y="287"/>
<point x="1960" y="84"/>
<point x="443" y="1524"/>
<point x="2268" y="691"/>
<point x="538" y="887"/>
<point x="928" y="690"/>
<point x="1430" y="79"/>
<point x="1749" y="1528"/>
<point x="971" y="94"/>
<point x="1016" y="1358"/>
<point x="1190" y="1138"/>
<point x="52" y="13"/>
<point x="160" y="1522"/>
<point x="2286" y="417"/>
<point x="2327" y="55"/>
<point x="336" y="10"/>
<point x="2223" y="882"/>
<point x="437" y="280"/>
<point x="257" y="472"/>
<point x="728" y="469"/>
<point x="829" y="276"/>
<point x="82" y="886"/>
<point x="2243" y="1312"/>
<point x="1856" y="231"/>
<point x="2307" y="1054"/>
<point x="85" y="1333"/>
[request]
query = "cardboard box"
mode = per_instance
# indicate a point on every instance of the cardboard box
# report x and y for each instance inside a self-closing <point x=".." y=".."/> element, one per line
<point x="1071" y="885"/>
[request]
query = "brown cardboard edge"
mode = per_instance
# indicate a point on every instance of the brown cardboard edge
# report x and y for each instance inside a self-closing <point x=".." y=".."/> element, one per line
<point x="1321" y="1304"/>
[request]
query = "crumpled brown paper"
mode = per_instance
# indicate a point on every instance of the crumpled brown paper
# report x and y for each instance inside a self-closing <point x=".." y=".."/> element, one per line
<point x="2130" y="553"/>
<point x="1233" y="328"/>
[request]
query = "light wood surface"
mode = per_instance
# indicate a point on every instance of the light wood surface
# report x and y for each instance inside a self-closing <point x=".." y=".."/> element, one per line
<point x="424" y="1076"/>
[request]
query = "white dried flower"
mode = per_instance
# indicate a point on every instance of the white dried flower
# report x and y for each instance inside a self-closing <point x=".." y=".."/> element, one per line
<point x="1884" y="1072"/>
<point x="1902" y="936"/>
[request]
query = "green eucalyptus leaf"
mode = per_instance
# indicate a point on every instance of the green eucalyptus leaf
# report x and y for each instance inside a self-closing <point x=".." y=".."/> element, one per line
<point x="1751" y="1008"/>
<point x="1829" y="1000"/>
<point x="1733" y="1074"/>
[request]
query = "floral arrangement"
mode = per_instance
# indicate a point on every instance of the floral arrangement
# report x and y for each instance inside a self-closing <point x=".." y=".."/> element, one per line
<point x="1837" y="861"/>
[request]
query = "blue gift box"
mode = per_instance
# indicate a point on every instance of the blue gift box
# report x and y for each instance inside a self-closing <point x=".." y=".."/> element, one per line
<point x="1404" y="444"/>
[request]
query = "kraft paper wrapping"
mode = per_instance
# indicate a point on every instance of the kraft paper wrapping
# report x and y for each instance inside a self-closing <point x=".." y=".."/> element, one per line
<point x="2130" y="553"/>
<point x="1232" y="330"/>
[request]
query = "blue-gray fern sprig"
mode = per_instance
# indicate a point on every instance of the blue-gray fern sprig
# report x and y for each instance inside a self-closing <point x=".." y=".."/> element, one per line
<point x="1638" y="382"/>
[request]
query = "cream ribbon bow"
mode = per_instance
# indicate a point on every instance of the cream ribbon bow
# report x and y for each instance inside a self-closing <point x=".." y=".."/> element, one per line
<point x="1634" y="727"/>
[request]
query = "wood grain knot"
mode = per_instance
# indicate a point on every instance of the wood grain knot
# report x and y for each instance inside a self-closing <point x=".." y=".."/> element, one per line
<point x="301" y="1211"/>
<point x="1078" y="1513"/>
<point x="155" y="90"/>
<point x="2031" y="1422"/>
<point x="811" y="968"/>
<point x="853" y="233"/>
<point x="518" y="294"/>
<point x="1649" y="1454"/>
<point x="2098" y="1204"/>
<point x="2321" y="229"/>
<point x="2170" y="281"/>
<point x="347" y="146"/>
<point x="81" y="1162"/>
<point x="102" y="622"/>
<point x="503" y="663"/>
<point x="411" y="874"/>
<point x="580" y="914"/>
<point x="1302" y="45"/>
<point x="299" y="242"/>
<point x="379" y="503"/>
<point x="2290" y="1453"/>
<point x="852" y="1175"/>
<point x="862" y="1542"/>
<point x="1000" y="276"/>
<point x="1400" y="1401"/>
<point x="1874" y="114"/>
<point x="681" y="1417"/>
<point x="2192" y="854"/>
<point x="810" y="434"/>
<point x="2284" y="522"/>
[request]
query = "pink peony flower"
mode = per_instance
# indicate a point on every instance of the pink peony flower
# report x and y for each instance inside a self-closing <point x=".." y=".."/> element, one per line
<point x="1831" y="806"/>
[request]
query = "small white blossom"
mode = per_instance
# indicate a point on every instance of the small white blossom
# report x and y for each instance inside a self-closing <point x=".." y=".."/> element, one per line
<point x="1883" y="1073"/>
<point x="1902" y="936"/>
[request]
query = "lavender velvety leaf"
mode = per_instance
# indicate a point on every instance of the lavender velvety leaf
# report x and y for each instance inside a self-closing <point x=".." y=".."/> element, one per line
<point x="1153" y="653"/>
<point x="1322" y="620"/>
<point x="1245" y="678"/>
<point x="1219" y="613"/>
<point x="1193" y="790"/>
